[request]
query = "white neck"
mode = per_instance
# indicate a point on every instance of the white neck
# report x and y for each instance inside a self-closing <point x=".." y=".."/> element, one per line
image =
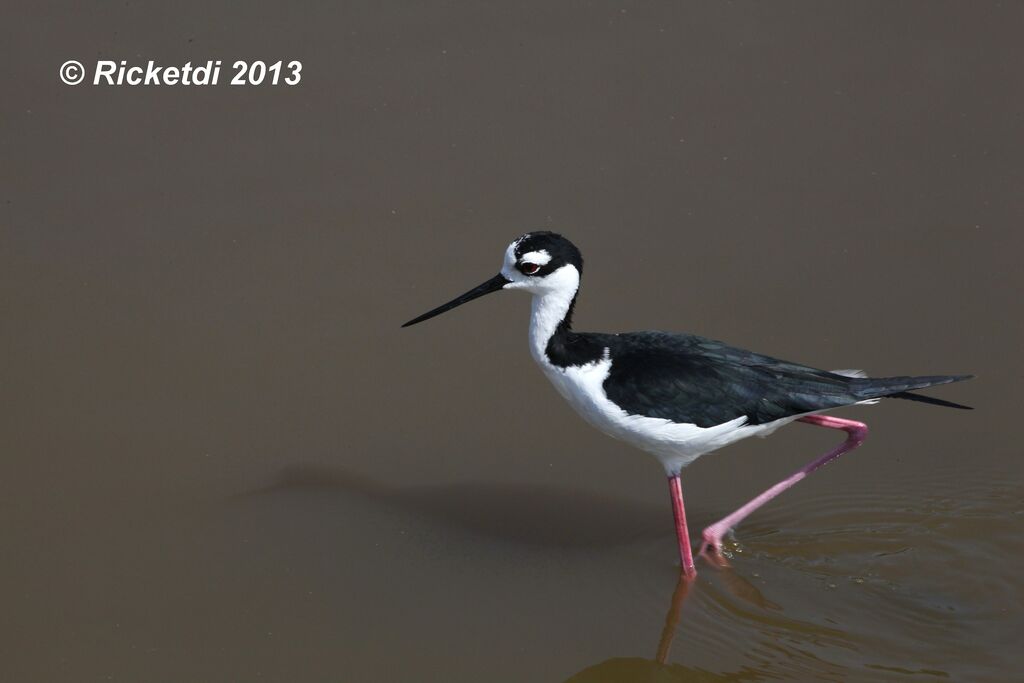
<point x="549" y="308"/>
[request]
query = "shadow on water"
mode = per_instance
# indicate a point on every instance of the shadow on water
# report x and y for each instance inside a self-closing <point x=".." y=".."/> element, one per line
<point x="636" y="670"/>
<point x="532" y="514"/>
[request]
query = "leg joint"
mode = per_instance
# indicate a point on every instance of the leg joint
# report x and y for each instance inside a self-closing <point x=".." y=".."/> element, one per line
<point x="858" y="431"/>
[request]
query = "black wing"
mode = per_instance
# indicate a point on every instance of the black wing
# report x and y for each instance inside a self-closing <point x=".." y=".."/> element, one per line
<point x="691" y="379"/>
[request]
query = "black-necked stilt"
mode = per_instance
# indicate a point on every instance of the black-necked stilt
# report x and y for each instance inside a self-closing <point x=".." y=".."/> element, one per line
<point x="677" y="396"/>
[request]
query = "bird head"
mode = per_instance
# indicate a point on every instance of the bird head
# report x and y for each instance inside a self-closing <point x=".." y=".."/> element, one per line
<point x="538" y="262"/>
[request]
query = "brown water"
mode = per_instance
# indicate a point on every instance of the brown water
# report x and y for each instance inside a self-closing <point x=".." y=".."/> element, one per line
<point x="222" y="459"/>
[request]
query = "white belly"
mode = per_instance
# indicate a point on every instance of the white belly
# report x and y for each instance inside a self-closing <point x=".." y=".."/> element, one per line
<point x="676" y="445"/>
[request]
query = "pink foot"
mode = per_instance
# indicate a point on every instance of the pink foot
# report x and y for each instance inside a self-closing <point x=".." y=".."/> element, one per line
<point x="711" y="547"/>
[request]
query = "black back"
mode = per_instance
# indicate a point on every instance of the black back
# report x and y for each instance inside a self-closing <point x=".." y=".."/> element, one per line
<point x="690" y="379"/>
<point x="686" y="378"/>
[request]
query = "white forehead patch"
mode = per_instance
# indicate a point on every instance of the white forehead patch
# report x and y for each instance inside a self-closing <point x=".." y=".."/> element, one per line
<point x="540" y="257"/>
<point x="510" y="258"/>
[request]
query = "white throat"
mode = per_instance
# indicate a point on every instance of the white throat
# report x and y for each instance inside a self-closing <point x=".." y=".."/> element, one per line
<point x="549" y="307"/>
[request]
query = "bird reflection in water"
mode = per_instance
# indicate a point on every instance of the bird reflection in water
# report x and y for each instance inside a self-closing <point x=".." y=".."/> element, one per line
<point x="675" y="611"/>
<point x="633" y="669"/>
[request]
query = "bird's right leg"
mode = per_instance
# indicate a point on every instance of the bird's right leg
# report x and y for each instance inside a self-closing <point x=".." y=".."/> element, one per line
<point x="856" y="432"/>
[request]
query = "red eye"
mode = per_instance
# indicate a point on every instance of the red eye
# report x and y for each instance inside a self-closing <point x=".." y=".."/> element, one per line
<point x="529" y="268"/>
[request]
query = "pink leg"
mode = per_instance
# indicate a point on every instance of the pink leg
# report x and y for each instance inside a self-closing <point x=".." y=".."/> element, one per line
<point x="682" y="534"/>
<point x="856" y="433"/>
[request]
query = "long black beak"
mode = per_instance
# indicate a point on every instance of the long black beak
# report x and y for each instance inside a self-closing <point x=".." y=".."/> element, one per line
<point x="492" y="285"/>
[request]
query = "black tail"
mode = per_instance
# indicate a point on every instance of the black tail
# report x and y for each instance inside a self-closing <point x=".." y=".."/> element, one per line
<point x="901" y="387"/>
<point x="928" y="399"/>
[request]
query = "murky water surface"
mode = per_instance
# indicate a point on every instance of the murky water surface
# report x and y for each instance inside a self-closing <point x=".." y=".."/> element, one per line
<point x="222" y="459"/>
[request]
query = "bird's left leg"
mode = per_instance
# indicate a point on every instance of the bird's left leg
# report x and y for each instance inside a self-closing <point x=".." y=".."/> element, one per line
<point x="675" y="490"/>
<point x="856" y="432"/>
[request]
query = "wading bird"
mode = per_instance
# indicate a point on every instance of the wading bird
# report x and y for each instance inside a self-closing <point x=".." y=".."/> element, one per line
<point x="677" y="396"/>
